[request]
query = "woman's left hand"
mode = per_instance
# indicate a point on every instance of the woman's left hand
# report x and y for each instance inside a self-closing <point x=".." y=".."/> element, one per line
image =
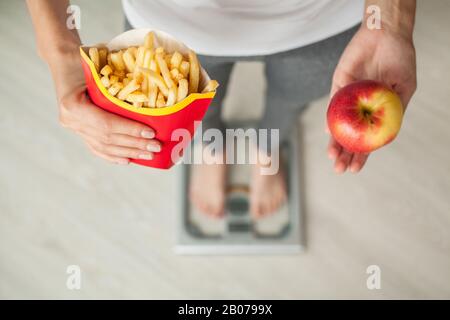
<point x="381" y="55"/>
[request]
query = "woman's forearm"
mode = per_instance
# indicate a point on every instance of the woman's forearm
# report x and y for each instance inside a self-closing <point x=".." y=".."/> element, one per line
<point x="53" y="37"/>
<point x="57" y="45"/>
<point x="397" y="16"/>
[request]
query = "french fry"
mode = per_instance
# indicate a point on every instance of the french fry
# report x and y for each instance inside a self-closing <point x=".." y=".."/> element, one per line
<point x="115" y="88"/>
<point x="139" y="78"/>
<point x="156" y="79"/>
<point x="184" y="68"/>
<point x="144" y="85"/>
<point x="127" y="89"/>
<point x="106" y="70"/>
<point x="105" y="81"/>
<point x="136" y="96"/>
<point x="176" y="60"/>
<point x="117" y="60"/>
<point x="152" y="95"/>
<point x="172" y="96"/>
<point x="108" y="60"/>
<point x="148" y="56"/>
<point x="138" y="104"/>
<point x="93" y="54"/>
<point x="167" y="58"/>
<point x="129" y="60"/>
<point x="194" y="72"/>
<point x="159" y="50"/>
<point x="164" y="70"/>
<point x="102" y="54"/>
<point x="140" y="53"/>
<point x="154" y="66"/>
<point x="160" y="101"/>
<point x="183" y="88"/>
<point x="211" y="86"/>
<point x="126" y="81"/>
<point x="120" y="74"/>
<point x="149" y="40"/>
<point x="176" y="75"/>
<point x="133" y="51"/>
<point x="113" y="79"/>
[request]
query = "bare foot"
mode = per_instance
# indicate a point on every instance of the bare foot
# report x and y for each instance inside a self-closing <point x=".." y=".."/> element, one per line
<point x="207" y="188"/>
<point x="267" y="192"/>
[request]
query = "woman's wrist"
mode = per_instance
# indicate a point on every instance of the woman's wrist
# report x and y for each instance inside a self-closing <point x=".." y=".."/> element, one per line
<point x="66" y="69"/>
<point x="397" y="17"/>
<point x="60" y="53"/>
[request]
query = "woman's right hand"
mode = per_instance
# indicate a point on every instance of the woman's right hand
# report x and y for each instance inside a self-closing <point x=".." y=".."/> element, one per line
<point x="107" y="135"/>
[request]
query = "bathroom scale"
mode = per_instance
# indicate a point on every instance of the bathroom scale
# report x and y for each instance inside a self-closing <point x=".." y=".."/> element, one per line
<point x="237" y="232"/>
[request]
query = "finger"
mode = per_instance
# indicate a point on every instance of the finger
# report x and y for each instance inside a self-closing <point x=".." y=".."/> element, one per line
<point x="112" y="159"/>
<point x="100" y="124"/>
<point x="334" y="149"/>
<point x="119" y="125"/>
<point x="358" y="161"/>
<point x="124" y="152"/>
<point x="340" y="80"/>
<point x="334" y="88"/>
<point x="93" y="134"/>
<point x="117" y="151"/>
<point x="133" y="142"/>
<point x="342" y="161"/>
<point x="406" y="94"/>
<point x="326" y="128"/>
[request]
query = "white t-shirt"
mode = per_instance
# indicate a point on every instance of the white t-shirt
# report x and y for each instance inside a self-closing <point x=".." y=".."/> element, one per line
<point x="245" y="27"/>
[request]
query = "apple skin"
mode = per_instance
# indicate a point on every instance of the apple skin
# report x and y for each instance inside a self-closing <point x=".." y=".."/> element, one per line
<point x="364" y="116"/>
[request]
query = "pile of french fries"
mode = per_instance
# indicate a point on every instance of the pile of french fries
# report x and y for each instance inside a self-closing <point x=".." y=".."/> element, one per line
<point x="150" y="77"/>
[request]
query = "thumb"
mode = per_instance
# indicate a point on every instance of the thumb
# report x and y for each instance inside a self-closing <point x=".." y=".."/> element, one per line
<point x="405" y="93"/>
<point x="340" y="80"/>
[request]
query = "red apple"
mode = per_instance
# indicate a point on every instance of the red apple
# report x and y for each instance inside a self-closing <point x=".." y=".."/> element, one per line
<point x="364" y="116"/>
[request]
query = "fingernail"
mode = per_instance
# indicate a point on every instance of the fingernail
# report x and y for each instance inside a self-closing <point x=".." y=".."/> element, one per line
<point x="153" y="147"/>
<point x="123" y="161"/>
<point x="145" y="156"/>
<point x="339" y="170"/>
<point x="333" y="155"/>
<point x="354" y="169"/>
<point x="149" y="134"/>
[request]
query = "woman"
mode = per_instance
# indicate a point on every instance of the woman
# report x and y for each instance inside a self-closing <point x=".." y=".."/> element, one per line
<point x="307" y="47"/>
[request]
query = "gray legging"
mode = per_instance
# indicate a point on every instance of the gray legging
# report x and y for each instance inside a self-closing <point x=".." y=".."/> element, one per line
<point x="294" y="79"/>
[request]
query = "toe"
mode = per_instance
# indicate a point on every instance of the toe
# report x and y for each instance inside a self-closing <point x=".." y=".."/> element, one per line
<point x="273" y="205"/>
<point x="266" y="208"/>
<point x="216" y="211"/>
<point x="212" y="210"/>
<point x="204" y="208"/>
<point x="255" y="209"/>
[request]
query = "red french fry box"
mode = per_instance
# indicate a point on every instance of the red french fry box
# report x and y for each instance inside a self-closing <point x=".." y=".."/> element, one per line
<point x="164" y="121"/>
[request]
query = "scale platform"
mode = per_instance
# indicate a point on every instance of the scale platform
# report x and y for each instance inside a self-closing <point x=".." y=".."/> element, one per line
<point x="237" y="232"/>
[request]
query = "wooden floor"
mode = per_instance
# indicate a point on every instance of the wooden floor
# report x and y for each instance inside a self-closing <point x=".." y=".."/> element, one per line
<point x="60" y="206"/>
